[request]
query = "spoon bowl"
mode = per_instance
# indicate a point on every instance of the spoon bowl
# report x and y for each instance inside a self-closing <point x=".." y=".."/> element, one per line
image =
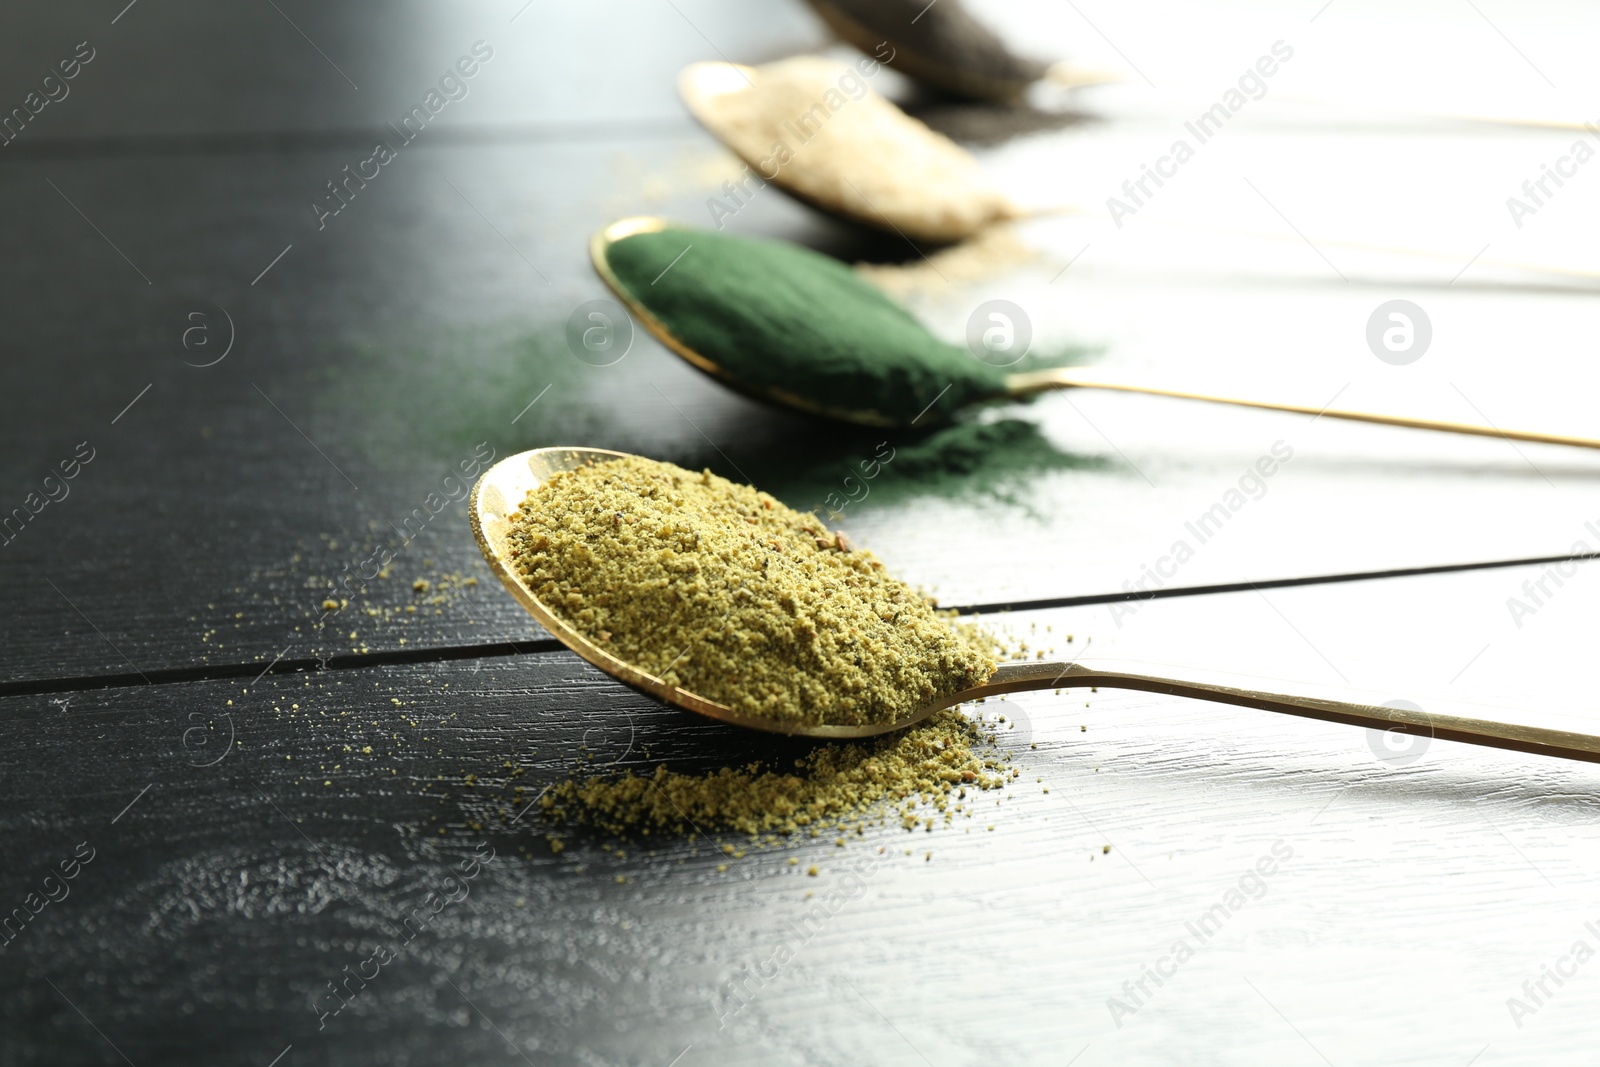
<point x="858" y="180"/>
<point x="1015" y="386"/>
<point x="599" y="248"/>
<point x="503" y="489"/>
<point x="701" y="85"/>
<point x="500" y="494"/>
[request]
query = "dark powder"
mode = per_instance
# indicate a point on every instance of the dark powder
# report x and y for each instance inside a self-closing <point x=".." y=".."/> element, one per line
<point x="777" y="316"/>
<point x="940" y="44"/>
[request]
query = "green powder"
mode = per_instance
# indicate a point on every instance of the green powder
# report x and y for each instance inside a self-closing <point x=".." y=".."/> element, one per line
<point x="983" y="462"/>
<point x="723" y="591"/>
<point x="777" y="316"/>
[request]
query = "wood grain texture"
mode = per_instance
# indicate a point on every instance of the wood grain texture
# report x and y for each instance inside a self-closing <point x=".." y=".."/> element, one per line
<point x="422" y="320"/>
<point x="223" y="900"/>
<point x="253" y="836"/>
<point x="377" y="354"/>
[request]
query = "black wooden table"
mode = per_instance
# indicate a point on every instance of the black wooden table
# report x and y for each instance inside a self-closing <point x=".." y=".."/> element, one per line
<point x="266" y="802"/>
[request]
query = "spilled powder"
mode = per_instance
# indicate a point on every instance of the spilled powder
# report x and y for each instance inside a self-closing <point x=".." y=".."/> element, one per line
<point x="922" y="775"/>
<point x="719" y="589"/>
<point x="816" y="128"/>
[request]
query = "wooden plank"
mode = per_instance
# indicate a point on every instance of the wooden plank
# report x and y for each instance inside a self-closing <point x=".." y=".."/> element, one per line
<point x="196" y="75"/>
<point x="229" y="895"/>
<point x="380" y="351"/>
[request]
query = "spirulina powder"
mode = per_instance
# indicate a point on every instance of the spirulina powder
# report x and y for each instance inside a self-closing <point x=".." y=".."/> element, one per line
<point x="775" y="316"/>
<point x="723" y="591"/>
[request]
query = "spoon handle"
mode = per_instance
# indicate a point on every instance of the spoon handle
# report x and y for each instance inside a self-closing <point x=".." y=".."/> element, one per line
<point x="1024" y="677"/>
<point x="1030" y="382"/>
<point x="1586" y="275"/>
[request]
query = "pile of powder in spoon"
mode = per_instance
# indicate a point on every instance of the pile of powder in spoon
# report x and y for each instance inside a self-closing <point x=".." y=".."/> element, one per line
<point x="815" y="127"/>
<point x="778" y="318"/>
<point x="722" y="590"/>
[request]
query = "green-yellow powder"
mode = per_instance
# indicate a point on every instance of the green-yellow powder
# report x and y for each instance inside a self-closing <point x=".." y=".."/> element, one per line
<point x="723" y="591"/>
<point x="934" y="766"/>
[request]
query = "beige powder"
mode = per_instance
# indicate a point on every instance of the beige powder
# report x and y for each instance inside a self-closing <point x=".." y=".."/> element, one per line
<point x="814" y="126"/>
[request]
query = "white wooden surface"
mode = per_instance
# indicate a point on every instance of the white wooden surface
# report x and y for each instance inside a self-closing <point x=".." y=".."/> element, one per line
<point x="1420" y="895"/>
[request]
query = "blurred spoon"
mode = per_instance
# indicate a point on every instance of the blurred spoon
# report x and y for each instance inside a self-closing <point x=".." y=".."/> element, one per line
<point x="942" y="45"/>
<point x="881" y="168"/>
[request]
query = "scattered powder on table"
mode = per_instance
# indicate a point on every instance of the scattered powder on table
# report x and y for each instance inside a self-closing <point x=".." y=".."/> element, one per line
<point x="719" y="589"/>
<point x="935" y="766"/>
<point x="778" y="317"/>
<point x="1000" y="460"/>
<point x="814" y="127"/>
<point x="942" y="44"/>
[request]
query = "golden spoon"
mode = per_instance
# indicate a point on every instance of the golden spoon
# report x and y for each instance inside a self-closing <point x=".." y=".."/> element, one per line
<point x="871" y="163"/>
<point x="504" y="488"/>
<point x="953" y="200"/>
<point x="1017" y="386"/>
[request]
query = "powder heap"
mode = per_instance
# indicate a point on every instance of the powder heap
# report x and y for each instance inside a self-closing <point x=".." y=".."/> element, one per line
<point x="931" y="765"/>
<point x="777" y="317"/>
<point x="815" y="128"/>
<point x="941" y="44"/>
<point x="723" y="591"/>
